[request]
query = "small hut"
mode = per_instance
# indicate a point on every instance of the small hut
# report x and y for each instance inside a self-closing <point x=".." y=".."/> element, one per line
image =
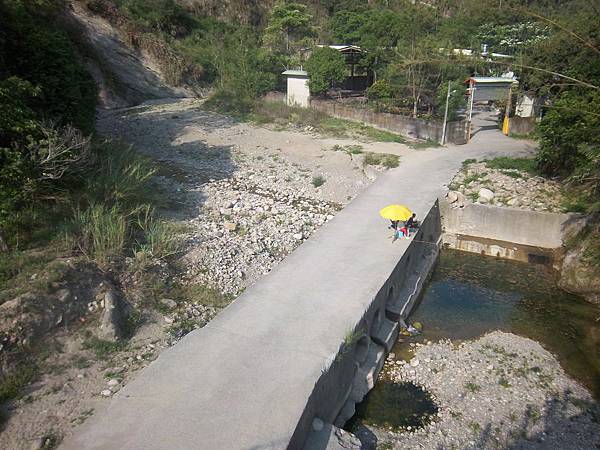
<point x="298" y="93"/>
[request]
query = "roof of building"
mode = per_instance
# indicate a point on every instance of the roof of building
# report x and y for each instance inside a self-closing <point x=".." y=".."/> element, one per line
<point x="343" y="48"/>
<point x="483" y="80"/>
<point x="297" y="73"/>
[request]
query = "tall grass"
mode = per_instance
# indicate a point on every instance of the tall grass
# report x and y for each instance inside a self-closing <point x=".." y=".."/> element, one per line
<point x="102" y="232"/>
<point x="121" y="176"/>
<point x="159" y="238"/>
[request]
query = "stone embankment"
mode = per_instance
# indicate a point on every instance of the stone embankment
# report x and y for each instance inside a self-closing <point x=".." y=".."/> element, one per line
<point x="499" y="391"/>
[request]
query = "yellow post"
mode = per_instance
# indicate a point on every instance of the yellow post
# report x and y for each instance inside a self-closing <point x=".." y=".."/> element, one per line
<point x="506" y="122"/>
<point x="505" y="126"/>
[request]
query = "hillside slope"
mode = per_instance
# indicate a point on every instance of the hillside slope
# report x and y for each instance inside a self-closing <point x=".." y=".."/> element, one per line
<point x="124" y="76"/>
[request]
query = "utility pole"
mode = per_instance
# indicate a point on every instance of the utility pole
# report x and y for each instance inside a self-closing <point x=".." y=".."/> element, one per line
<point x="506" y="121"/>
<point x="471" y="100"/>
<point x="445" y="116"/>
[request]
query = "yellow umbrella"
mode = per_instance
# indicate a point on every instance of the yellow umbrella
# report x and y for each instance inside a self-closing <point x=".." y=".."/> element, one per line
<point x="396" y="212"/>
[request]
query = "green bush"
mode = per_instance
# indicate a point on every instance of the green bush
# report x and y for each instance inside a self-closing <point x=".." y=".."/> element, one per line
<point x="325" y="67"/>
<point x="570" y="144"/>
<point x="381" y="89"/>
<point x="456" y="101"/>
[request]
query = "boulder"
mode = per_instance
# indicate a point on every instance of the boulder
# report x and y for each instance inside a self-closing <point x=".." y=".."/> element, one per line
<point x="111" y="322"/>
<point x="485" y="195"/>
<point x="452" y="196"/>
<point x="580" y="276"/>
<point x="168" y="303"/>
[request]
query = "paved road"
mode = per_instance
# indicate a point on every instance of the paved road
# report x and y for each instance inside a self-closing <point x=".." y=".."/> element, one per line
<point x="243" y="381"/>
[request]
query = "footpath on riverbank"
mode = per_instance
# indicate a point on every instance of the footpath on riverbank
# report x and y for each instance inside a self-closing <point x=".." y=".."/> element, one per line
<point x="244" y="380"/>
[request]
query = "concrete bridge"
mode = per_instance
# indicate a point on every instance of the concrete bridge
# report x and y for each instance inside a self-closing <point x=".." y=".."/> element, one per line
<point x="286" y="362"/>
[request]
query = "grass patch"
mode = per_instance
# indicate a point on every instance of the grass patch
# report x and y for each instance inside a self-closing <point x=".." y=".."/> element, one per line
<point x="468" y="162"/>
<point x="472" y="387"/>
<point x="318" y="181"/>
<point x="12" y="382"/>
<point x="199" y="293"/>
<point x="474" y="177"/>
<point x="526" y="165"/>
<point x="502" y="381"/>
<point x="424" y="144"/>
<point x="381" y="159"/>
<point x="348" y="149"/>
<point x="279" y="113"/>
<point x="102" y="349"/>
<point x="512" y="173"/>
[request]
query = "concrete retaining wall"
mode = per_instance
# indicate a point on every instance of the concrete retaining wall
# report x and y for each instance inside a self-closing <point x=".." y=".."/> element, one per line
<point x="522" y="125"/>
<point x="406" y="126"/>
<point x="517" y="234"/>
<point x="356" y="368"/>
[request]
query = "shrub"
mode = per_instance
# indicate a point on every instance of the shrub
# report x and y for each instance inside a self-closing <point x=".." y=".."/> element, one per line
<point x="318" y="181"/>
<point x="381" y="89"/>
<point x="325" y="66"/>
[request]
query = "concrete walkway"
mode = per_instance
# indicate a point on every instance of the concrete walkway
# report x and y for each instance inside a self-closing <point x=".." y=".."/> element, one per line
<point x="243" y="381"/>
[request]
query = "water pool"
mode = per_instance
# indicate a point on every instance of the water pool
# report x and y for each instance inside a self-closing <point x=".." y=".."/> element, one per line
<point x="469" y="295"/>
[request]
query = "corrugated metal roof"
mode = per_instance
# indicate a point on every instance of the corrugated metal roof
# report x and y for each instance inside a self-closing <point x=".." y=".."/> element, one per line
<point x="298" y="73"/>
<point x="342" y="48"/>
<point x="493" y="80"/>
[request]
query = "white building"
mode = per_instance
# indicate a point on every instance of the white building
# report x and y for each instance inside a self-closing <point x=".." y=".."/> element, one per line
<point x="297" y="88"/>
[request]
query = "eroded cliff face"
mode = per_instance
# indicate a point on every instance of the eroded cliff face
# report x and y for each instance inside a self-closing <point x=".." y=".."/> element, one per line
<point x="580" y="272"/>
<point x="125" y="75"/>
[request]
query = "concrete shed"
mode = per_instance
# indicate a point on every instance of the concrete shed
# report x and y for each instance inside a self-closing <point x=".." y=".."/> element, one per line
<point x="491" y="88"/>
<point x="297" y="88"/>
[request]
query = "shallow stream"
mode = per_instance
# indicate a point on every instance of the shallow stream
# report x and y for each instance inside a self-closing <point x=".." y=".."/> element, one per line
<point x="470" y="295"/>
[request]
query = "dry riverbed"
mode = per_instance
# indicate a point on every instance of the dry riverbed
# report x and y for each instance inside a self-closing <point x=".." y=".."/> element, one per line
<point x="242" y="197"/>
<point x="499" y="391"/>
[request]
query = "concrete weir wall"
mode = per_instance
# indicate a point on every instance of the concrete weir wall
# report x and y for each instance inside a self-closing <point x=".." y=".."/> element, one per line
<point x="529" y="236"/>
<point x="285" y="364"/>
<point x="357" y="365"/>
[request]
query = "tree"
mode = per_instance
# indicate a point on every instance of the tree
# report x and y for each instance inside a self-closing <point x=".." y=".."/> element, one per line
<point x="325" y="66"/>
<point x="288" y="23"/>
<point x="456" y="101"/>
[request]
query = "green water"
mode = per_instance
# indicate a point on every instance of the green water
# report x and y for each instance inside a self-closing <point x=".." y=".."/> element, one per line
<point x="412" y="406"/>
<point x="469" y="295"/>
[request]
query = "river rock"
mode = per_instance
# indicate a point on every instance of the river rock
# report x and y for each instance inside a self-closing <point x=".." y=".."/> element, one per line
<point x="452" y="197"/>
<point x="485" y="195"/>
<point x="230" y="226"/>
<point x="168" y="303"/>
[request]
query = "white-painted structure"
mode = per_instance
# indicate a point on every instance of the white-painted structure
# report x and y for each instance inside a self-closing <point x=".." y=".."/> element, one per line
<point x="525" y="106"/>
<point x="297" y="88"/>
